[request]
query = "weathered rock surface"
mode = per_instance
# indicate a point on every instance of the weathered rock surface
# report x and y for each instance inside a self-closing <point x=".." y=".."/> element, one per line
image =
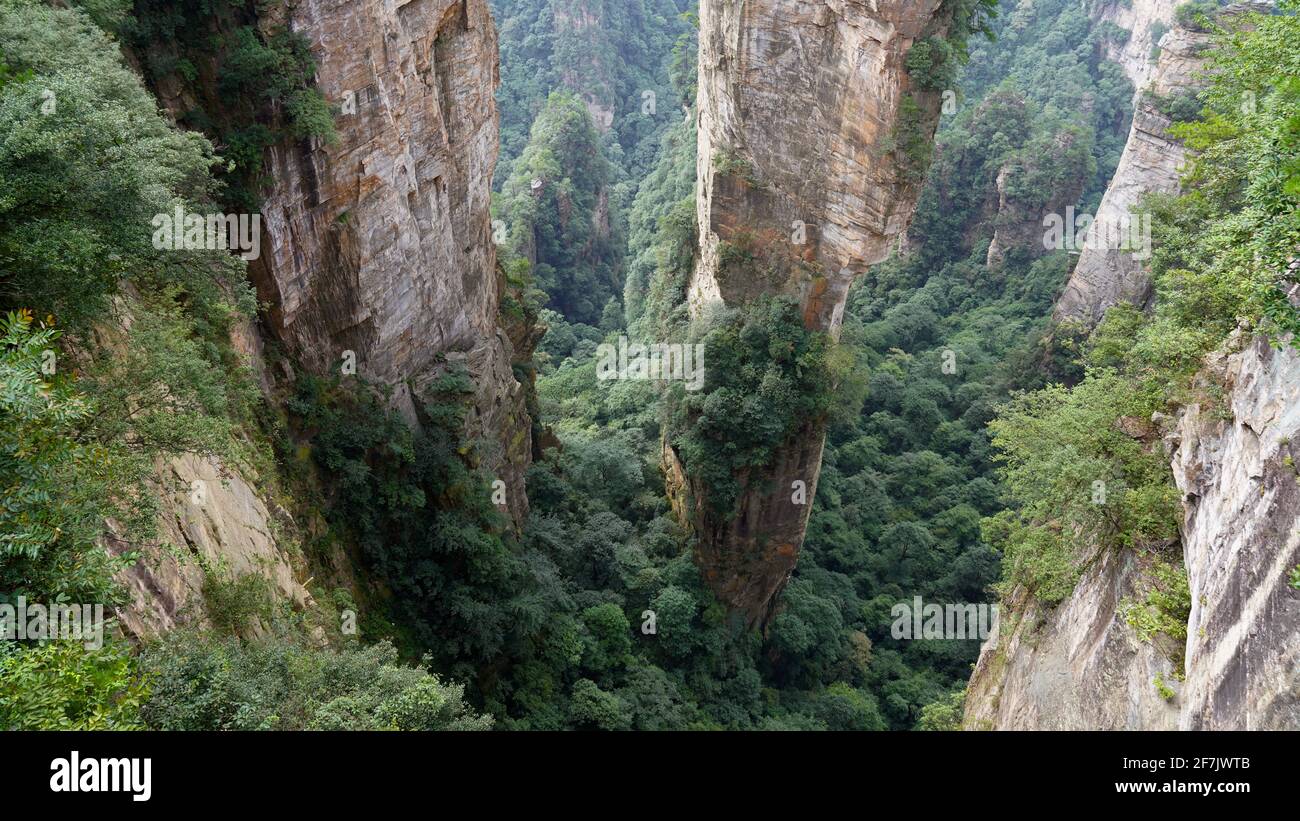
<point x="1079" y="666"/>
<point x="1146" y="21"/>
<point x="1236" y="466"/>
<point x="799" y="104"/>
<point x="211" y="521"/>
<point x="1107" y="274"/>
<point x="381" y="244"/>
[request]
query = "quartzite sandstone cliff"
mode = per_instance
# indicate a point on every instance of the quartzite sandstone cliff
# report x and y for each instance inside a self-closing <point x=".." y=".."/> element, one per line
<point x="799" y="107"/>
<point x="1080" y="665"/>
<point x="1151" y="163"/>
<point x="381" y="244"/>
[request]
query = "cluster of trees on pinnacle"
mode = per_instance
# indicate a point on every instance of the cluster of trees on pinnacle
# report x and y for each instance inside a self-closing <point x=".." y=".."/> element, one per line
<point x="955" y="484"/>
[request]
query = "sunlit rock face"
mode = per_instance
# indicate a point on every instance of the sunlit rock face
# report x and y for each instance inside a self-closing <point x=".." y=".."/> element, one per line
<point x="1106" y="274"/>
<point x="1146" y="21"/>
<point x="1080" y="665"/>
<point x="1235" y="462"/>
<point x="801" y="108"/>
<point x="381" y="244"/>
<point x="1076" y="666"/>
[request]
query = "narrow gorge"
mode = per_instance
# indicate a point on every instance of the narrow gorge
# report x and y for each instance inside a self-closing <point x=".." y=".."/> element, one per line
<point x="371" y="467"/>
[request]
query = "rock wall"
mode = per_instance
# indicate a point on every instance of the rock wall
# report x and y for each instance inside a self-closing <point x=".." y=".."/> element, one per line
<point x="381" y="244"/>
<point x="213" y="521"/>
<point x="1146" y="21"/>
<point x="1080" y="666"/>
<point x="1105" y="275"/>
<point x="799" y="108"/>
<point x="1235" y="462"/>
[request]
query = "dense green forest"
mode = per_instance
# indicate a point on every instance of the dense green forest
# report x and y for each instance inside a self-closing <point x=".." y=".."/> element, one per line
<point x="965" y="436"/>
<point x="116" y="354"/>
<point x="908" y="478"/>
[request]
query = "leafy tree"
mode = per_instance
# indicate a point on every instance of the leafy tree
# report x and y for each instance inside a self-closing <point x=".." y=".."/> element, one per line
<point x="61" y="685"/>
<point x="204" y="683"/>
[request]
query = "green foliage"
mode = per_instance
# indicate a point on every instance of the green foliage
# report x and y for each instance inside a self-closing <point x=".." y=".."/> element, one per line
<point x="236" y="605"/>
<point x="110" y="15"/>
<point x="593" y="708"/>
<point x="728" y="163"/>
<point x="86" y="166"/>
<point x="912" y="139"/>
<point x="662" y="233"/>
<point x="943" y="715"/>
<point x="970" y="18"/>
<point x="634" y="47"/>
<point x="421" y="515"/>
<point x="36" y="443"/>
<point x="1166" y="692"/>
<point x="1165" y="607"/>
<point x="1224" y="247"/>
<point x="1182" y="106"/>
<point x="765" y="376"/>
<point x="932" y="64"/>
<point x="200" y="682"/>
<point x="255" y="89"/>
<point x="1081" y="484"/>
<point x="60" y="685"/>
<point x="557" y="206"/>
<point x="1197" y="15"/>
<point x="145" y="370"/>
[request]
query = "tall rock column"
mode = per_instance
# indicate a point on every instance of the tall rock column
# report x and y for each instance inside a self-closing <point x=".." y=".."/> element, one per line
<point x="802" y="107"/>
<point x="1152" y="162"/>
<point x="381" y="244"/>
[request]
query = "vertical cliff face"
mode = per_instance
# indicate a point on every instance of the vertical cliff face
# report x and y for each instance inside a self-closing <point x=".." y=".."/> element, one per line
<point x="801" y="108"/>
<point x="1151" y="163"/>
<point x="1235" y="463"/>
<point x="377" y="250"/>
<point x="1146" y="21"/>
<point x="381" y="244"/>
<point x="1081" y="666"/>
<point x="1078" y="666"/>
